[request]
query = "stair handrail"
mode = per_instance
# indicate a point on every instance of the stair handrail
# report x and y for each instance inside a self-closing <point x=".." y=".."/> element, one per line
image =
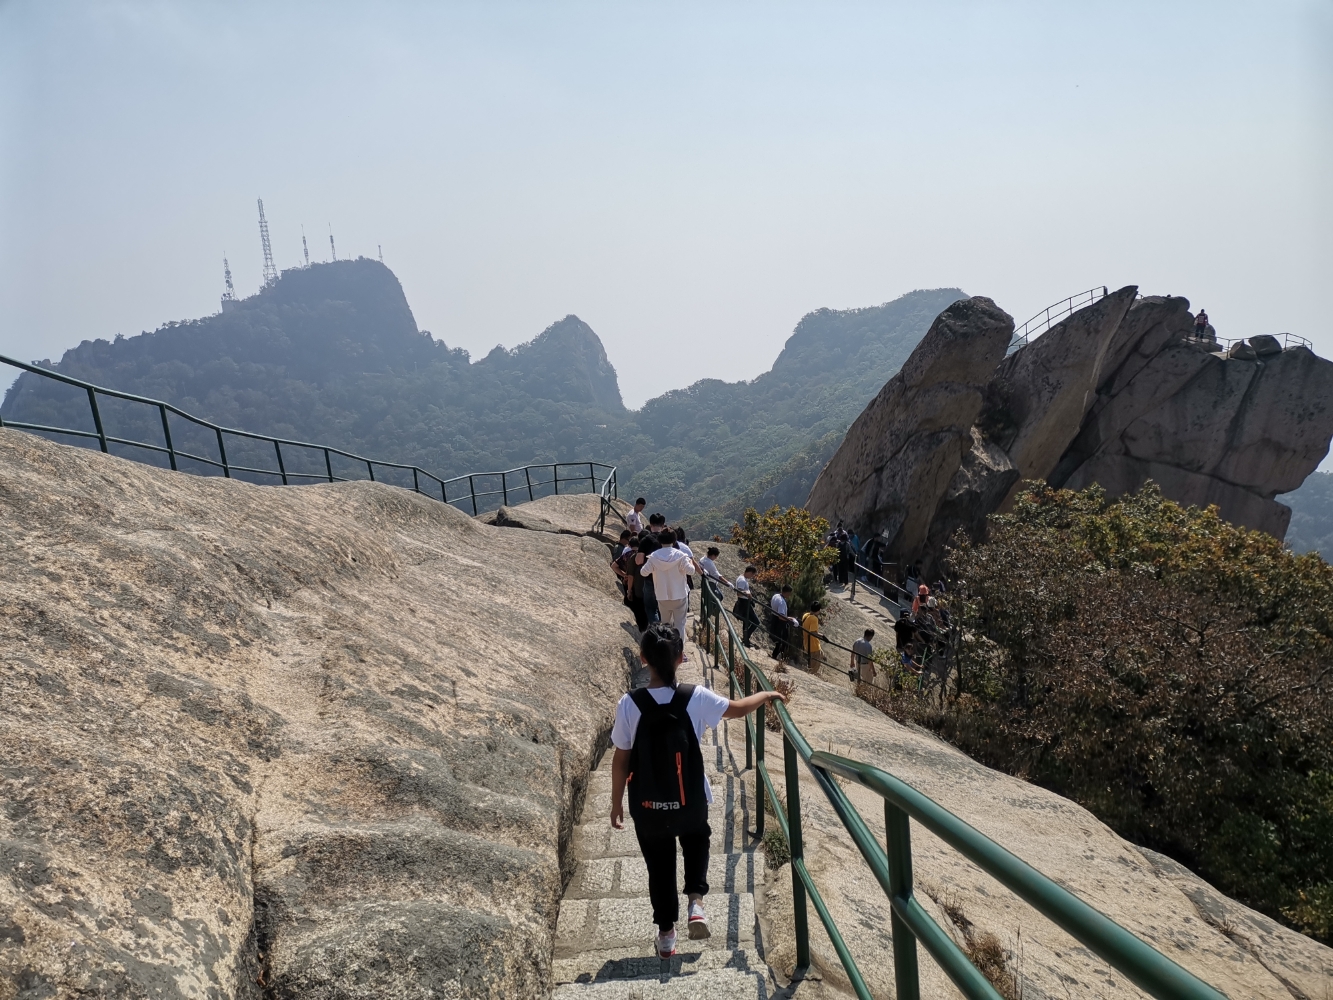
<point x="1142" y="964"/>
<point x="607" y="488"/>
<point x="1056" y="311"/>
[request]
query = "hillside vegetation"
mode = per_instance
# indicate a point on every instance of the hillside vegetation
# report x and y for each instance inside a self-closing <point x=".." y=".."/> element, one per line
<point x="332" y="354"/>
<point x="1170" y="671"/>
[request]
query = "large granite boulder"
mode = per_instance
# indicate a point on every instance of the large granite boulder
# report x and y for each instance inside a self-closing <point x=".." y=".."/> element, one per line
<point x="308" y="741"/>
<point x="901" y="453"/>
<point x="1037" y="396"/>
<point x="1117" y="393"/>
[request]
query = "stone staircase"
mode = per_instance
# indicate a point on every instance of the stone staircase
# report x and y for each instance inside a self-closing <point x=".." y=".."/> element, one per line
<point x="604" y="935"/>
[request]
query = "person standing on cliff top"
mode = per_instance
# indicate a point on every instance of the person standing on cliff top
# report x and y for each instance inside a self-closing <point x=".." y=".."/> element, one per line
<point x="1201" y="325"/>
<point x="656" y="737"/>
<point x="634" y="519"/>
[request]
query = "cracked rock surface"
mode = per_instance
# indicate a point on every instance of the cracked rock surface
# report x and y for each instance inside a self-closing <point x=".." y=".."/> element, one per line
<point x="316" y="741"/>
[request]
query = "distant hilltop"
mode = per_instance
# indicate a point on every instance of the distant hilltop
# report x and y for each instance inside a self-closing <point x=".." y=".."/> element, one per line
<point x="332" y="353"/>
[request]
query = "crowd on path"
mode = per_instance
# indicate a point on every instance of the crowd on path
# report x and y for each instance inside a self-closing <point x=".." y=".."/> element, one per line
<point x="658" y="728"/>
<point x="657" y="569"/>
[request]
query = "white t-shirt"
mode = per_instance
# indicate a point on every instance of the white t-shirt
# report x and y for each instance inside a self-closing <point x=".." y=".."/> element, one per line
<point x="778" y="605"/>
<point x="668" y="567"/>
<point x="705" y="711"/>
<point x="710" y="568"/>
<point x="743" y="586"/>
<point x="634" y="521"/>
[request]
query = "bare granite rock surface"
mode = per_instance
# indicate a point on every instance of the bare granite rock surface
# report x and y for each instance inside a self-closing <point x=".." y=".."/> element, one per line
<point x="901" y="453"/>
<point x="1117" y="393"/>
<point x="315" y="741"/>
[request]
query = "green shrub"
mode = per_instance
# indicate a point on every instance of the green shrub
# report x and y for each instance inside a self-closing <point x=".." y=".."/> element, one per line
<point x="1168" y="670"/>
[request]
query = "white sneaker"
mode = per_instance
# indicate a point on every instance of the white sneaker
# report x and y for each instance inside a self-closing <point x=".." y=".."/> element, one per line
<point x="698" y="922"/>
<point x="666" y="943"/>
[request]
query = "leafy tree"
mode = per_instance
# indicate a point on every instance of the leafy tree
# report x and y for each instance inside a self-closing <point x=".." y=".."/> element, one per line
<point x="788" y="548"/>
<point x="1170" y="671"/>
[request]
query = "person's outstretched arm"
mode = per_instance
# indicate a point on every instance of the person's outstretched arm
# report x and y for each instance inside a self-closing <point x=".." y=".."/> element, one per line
<point x="619" y="775"/>
<point x="739" y="708"/>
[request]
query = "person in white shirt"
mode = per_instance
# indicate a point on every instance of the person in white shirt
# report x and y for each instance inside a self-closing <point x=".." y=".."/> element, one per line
<point x="779" y="621"/>
<point x="711" y="577"/>
<point x="661" y="650"/>
<point x="744" y="609"/>
<point x="669" y="566"/>
<point x="634" y="519"/>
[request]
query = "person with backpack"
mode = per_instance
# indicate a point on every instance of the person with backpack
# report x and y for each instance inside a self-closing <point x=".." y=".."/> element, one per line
<point x="656" y="737"/>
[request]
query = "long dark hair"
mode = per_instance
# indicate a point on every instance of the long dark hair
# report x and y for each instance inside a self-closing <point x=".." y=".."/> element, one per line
<point x="662" y="647"/>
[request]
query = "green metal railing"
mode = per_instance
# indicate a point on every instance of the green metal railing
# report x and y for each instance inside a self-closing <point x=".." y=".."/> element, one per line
<point x="891" y="865"/>
<point x="600" y="478"/>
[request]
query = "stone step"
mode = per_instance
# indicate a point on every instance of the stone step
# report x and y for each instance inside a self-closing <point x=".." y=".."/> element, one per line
<point x="599" y="967"/>
<point x="605" y="925"/>
<point x="615" y="877"/>
<point x="722" y="984"/>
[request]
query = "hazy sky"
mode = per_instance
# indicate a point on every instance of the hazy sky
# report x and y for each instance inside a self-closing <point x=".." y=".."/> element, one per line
<point x="690" y="179"/>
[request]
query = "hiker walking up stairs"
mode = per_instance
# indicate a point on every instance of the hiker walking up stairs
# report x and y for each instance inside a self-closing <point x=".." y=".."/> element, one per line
<point x="605" y="944"/>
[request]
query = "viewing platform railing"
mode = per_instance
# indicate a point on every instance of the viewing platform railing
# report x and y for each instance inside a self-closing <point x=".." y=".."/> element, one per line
<point x="891" y="865"/>
<point x="1053" y="314"/>
<point x="293" y="462"/>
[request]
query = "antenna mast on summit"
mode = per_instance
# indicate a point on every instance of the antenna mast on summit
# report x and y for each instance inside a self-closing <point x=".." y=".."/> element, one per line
<point x="270" y="272"/>
<point x="381" y="250"/>
<point x="332" y="249"/>
<point x="305" y="249"/>
<point x="229" y="296"/>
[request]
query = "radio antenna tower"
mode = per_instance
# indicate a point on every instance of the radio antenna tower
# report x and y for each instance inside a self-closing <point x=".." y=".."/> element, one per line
<point x="305" y="249"/>
<point x="270" y="272"/>
<point x="229" y="296"/>
<point x="332" y="249"/>
<point x="381" y="250"/>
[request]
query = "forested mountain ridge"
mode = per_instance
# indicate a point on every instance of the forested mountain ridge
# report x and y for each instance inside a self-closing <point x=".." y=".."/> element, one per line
<point x="332" y="354"/>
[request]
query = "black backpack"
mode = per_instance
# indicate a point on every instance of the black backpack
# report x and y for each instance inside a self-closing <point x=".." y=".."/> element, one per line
<point x="666" y="779"/>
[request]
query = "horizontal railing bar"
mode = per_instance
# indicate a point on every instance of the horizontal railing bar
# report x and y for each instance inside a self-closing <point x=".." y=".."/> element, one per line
<point x="1142" y="964"/>
<point x="50" y="430"/>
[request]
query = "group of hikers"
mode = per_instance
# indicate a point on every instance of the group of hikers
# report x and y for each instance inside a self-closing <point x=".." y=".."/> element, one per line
<point x="658" y="728"/>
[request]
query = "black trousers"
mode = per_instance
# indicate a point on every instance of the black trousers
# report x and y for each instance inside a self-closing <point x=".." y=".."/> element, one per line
<point x="659" y="854"/>
<point x="777" y="628"/>
<point x="749" y="620"/>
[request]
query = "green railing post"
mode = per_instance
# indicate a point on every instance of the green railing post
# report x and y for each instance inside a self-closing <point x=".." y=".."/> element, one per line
<point x="527" y="475"/>
<point x="166" y="435"/>
<point x="222" y="454"/>
<point x="760" y="791"/>
<point x="898" y="835"/>
<point x="746" y="691"/>
<point x="731" y="665"/>
<point x="97" y="420"/>
<point x="282" y="469"/>
<point x="793" y="782"/>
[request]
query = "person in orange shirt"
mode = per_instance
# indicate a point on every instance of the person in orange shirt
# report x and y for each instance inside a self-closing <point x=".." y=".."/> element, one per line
<point x="814" y="650"/>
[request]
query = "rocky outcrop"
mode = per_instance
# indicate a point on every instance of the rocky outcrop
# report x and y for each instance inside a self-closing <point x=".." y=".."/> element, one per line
<point x="308" y="741"/>
<point x="1118" y="393"/>
<point x="1036" y="397"/>
<point x="898" y="458"/>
